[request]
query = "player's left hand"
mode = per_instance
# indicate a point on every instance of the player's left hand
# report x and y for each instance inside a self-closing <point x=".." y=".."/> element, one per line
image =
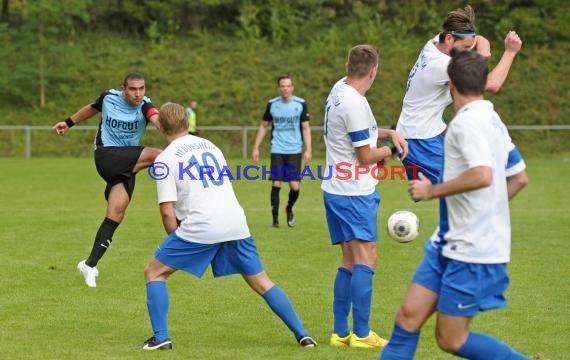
<point x="420" y="189"/>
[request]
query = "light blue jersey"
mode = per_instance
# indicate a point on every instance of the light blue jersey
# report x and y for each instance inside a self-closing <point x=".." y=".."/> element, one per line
<point x="122" y="124"/>
<point x="286" y="119"/>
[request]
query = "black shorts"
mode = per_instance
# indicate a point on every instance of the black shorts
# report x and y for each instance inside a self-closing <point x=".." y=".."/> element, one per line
<point x="115" y="165"/>
<point x="285" y="167"/>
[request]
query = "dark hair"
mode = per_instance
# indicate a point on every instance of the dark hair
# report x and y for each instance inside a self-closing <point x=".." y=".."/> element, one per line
<point x="468" y="72"/>
<point x="132" y="76"/>
<point x="458" y="21"/>
<point x="281" y="77"/>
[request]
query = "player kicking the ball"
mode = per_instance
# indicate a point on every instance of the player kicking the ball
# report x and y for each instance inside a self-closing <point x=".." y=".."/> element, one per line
<point x="206" y="226"/>
<point x="118" y="156"/>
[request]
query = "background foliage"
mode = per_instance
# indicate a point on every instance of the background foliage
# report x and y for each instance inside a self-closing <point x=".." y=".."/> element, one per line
<point x="59" y="55"/>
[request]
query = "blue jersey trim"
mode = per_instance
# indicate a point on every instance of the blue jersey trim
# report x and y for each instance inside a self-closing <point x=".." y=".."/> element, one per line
<point x="359" y="135"/>
<point x="443" y="222"/>
<point x="514" y="158"/>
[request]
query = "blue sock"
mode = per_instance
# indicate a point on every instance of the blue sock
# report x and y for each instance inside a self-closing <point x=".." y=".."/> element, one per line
<point x="361" y="292"/>
<point x="481" y="346"/>
<point x="341" y="301"/>
<point x="281" y="305"/>
<point x="402" y="345"/>
<point x="157" y="304"/>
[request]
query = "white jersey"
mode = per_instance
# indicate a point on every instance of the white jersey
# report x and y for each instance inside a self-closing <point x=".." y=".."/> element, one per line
<point x="478" y="221"/>
<point x="203" y="200"/>
<point x="427" y="95"/>
<point x="348" y="123"/>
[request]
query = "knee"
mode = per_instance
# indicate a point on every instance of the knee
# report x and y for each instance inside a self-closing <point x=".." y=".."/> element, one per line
<point x="448" y="342"/>
<point x="116" y="214"/>
<point x="151" y="274"/>
<point x="408" y="319"/>
<point x="147" y="274"/>
<point x="371" y="259"/>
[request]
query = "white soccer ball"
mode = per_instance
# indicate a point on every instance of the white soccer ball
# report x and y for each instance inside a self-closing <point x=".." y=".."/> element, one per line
<point x="403" y="226"/>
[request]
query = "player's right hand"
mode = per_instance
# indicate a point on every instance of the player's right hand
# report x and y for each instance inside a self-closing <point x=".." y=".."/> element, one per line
<point x="420" y="189"/>
<point x="513" y="42"/>
<point x="60" y="128"/>
<point x="255" y="155"/>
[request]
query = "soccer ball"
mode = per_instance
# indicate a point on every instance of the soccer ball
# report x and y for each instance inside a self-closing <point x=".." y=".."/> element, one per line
<point x="403" y="226"/>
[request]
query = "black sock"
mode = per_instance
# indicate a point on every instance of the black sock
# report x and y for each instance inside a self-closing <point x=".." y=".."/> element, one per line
<point x="293" y="196"/>
<point x="103" y="240"/>
<point x="275" y="202"/>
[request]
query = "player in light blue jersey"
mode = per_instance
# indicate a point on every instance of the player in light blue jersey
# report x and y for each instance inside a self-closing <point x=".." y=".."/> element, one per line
<point x="118" y="157"/>
<point x="464" y="268"/>
<point x="427" y="95"/>
<point x="289" y="119"/>
<point x="206" y="226"/>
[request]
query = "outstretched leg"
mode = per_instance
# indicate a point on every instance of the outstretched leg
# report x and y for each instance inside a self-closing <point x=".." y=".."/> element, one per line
<point x="280" y="305"/>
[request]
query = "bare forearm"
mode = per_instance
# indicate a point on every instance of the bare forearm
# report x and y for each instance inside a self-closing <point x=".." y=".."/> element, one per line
<point x="169" y="222"/>
<point x="472" y="179"/>
<point x="260" y="136"/>
<point x="367" y="155"/>
<point x="154" y="119"/>
<point x="498" y="75"/>
<point x="83" y="114"/>
<point x="307" y="138"/>
<point x="516" y="183"/>
<point x="385" y="133"/>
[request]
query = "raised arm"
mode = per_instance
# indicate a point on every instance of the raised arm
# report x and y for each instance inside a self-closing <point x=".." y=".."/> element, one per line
<point x="498" y="75"/>
<point x="82" y="114"/>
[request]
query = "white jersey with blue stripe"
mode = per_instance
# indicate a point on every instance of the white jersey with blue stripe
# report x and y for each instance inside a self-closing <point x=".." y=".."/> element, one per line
<point x="122" y="124"/>
<point x="348" y="124"/>
<point x="198" y="182"/>
<point x="286" y="119"/>
<point x="475" y="226"/>
<point x="427" y="95"/>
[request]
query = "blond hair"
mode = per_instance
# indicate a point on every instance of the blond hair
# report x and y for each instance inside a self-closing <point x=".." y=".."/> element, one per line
<point x="172" y="118"/>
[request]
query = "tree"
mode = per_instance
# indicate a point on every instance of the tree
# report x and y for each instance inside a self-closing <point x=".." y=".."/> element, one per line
<point x="45" y="23"/>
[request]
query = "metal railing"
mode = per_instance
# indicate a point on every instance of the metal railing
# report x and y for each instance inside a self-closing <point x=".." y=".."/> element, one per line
<point x="243" y="129"/>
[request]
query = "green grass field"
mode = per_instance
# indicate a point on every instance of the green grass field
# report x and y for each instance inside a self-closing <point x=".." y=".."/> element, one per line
<point x="51" y="208"/>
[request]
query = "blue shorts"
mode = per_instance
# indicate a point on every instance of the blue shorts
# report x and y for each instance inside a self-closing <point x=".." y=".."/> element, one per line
<point x="425" y="156"/>
<point x="352" y="217"/>
<point x="464" y="289"/>
<point x="226" y="258"/>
